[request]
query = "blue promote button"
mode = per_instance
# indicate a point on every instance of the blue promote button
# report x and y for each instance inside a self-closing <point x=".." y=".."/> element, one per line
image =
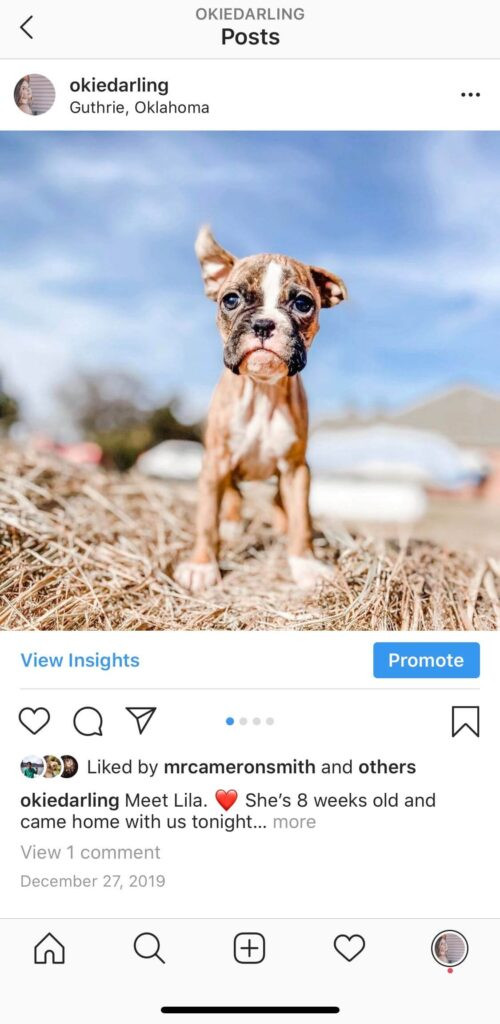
<point x="426" y="661"/>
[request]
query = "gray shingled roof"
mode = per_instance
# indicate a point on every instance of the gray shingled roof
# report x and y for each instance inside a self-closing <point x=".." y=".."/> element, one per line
<point x="466" y="415"/>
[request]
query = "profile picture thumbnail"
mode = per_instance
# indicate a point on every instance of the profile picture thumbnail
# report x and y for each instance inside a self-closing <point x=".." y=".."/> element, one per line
<point x="70" y="766"/>
<point x="53" y="766"/>
<point x="34" y="94"/>
<point x="450" y="948"/>
<point x="32" y="766"/>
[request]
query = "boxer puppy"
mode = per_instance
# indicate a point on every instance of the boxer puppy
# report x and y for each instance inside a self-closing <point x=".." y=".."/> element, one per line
<point x="267" y="314"/>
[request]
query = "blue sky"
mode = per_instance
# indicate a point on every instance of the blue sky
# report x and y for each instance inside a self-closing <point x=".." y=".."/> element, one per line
<point x="97" y="267"/>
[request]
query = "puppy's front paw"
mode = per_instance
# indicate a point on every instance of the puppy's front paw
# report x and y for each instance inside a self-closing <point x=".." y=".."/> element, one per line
<point x="197" y="576"/>
<point x="308" y="572"/>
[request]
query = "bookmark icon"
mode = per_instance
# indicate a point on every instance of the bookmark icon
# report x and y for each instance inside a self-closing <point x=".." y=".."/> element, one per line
<point x="465" y="717"/>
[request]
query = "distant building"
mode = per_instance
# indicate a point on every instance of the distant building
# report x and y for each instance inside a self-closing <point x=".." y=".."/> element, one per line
<point x="465" y="415"/>
<point x="447" y="444"/>
<point x="470" y="418"/>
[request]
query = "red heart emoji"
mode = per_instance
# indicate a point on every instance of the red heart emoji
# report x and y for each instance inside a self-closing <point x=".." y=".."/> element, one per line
<point x="226" y="798"/>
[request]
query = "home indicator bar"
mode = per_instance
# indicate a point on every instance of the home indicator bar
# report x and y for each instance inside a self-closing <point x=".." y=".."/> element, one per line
<point x="250" y="1009"/>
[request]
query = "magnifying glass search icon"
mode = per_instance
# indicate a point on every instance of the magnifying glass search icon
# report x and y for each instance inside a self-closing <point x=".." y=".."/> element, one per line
<point x="147" y="946"/>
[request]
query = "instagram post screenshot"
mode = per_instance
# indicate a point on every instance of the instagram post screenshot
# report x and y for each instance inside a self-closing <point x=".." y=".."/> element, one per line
<point x="249" y="512"/>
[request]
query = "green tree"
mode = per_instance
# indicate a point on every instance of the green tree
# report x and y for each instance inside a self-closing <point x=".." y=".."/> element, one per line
<point x="112" y="410"/>
<point x="9" y="410"/>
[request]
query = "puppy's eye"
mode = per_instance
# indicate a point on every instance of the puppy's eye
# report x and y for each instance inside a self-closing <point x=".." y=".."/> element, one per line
<point x="303" y="303"/>
<point x="231" y="300"/>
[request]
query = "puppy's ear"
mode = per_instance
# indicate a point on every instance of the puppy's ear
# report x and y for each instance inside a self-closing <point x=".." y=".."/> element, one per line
<point x="331" y="288"/>
<point x="216" y="262"/>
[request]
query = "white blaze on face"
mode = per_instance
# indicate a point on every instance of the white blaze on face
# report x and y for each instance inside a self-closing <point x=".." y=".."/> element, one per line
<point x="271" y="290"/>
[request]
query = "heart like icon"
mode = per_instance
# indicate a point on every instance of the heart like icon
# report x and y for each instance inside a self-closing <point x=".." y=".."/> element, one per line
<point x="34" y="719"/>
<point x="349" y="946"/>
<point x="226" y="798"/>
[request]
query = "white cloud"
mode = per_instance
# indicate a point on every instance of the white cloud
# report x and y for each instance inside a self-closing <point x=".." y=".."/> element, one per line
<point x="440" y="273"/>
<point x="464" y="183"/>
<point x="47" y="334"/>
<point x="70" y="171"/>
<point x="458" y="255"/>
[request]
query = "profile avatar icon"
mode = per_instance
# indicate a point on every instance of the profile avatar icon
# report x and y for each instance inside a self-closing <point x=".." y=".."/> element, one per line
<point x="53" y="766"/>
<point x="34" y="94"/>
<point x="70" y="766"/>
<point x="449" y="948"/>
<point x="32" y="766"/>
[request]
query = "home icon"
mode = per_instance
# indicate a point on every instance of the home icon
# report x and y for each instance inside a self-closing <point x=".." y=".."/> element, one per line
<point x="49" y="950"/>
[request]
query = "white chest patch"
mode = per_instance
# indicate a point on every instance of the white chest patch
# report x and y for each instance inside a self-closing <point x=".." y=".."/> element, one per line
<point x="259" y="430"/>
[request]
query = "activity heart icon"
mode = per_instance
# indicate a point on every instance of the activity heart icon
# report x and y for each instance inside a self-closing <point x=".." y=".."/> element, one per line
<point x="226" y="798"/>
<point x="349" y="946"/>
<point x="34" y="719"/>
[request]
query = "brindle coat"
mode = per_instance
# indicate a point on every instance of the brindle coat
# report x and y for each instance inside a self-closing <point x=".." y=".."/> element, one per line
<point x="268" y="314"/>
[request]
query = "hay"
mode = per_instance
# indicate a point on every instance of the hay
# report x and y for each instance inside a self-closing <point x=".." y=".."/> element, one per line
<point x="88" y="549"/>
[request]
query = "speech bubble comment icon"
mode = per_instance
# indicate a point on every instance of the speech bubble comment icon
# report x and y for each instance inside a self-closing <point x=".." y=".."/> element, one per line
<point x="88" y="722"/>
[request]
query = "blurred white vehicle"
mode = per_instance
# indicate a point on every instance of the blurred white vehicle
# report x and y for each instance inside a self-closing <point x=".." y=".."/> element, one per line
<point x="172" y="460"/>
<point x="367" y="500"/>
<point x="385" y="452"/>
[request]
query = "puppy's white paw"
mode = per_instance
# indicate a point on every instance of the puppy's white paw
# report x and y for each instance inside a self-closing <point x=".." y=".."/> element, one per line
<point x="231" y="529"/>
<point x="308" y="572"/>
<point x="196" y="576"/>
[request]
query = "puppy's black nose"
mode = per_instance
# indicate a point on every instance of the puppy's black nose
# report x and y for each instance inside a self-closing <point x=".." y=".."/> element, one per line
<point x="264" y="328"/>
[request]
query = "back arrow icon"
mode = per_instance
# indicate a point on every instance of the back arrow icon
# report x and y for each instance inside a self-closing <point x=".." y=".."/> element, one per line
<point x="24" y="29"/>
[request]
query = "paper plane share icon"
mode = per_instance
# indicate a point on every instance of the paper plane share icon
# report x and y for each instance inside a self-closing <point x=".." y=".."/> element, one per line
<point x="142" y="716"/>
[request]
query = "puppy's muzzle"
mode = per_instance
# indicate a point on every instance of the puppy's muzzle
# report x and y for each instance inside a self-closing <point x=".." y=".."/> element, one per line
<point x="295" y="357"/>
<point x="265" y="332"/>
